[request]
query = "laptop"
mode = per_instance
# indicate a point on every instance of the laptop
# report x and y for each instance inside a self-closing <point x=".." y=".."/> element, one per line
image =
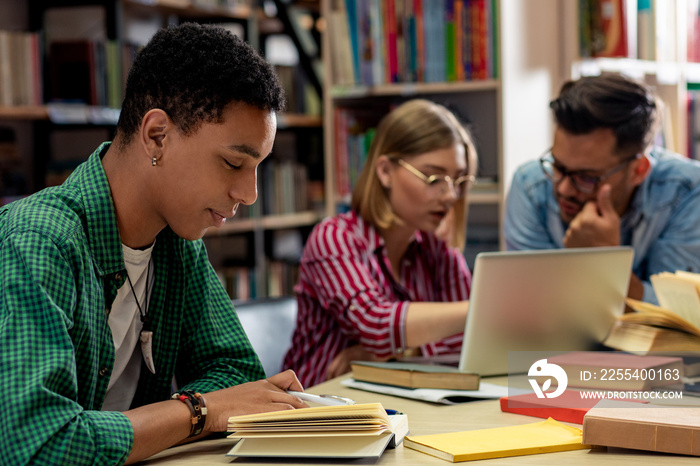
<point x="553" y="300"/>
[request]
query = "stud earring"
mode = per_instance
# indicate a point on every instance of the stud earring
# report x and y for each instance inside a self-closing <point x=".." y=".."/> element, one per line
<point x="153" y="162"/>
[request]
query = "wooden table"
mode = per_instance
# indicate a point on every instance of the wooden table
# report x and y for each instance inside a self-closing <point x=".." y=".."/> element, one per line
<point x="423" y="418"/>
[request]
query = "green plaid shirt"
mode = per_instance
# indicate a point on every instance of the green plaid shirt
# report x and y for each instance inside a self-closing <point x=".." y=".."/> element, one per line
<point x="61" y="265"/>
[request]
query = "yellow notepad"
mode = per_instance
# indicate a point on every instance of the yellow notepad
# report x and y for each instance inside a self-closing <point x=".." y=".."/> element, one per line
<point x="527" y="439"/>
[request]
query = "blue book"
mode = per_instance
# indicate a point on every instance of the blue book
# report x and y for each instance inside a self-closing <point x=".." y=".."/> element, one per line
<point x="353" y="28"/>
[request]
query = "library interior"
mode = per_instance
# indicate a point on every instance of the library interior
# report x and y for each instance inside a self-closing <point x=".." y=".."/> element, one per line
<point x="344" y="65"/>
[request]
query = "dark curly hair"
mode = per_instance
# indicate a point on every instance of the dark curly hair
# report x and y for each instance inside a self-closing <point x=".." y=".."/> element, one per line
<point x="613" y="101"/>
<point x="192" y="72"/>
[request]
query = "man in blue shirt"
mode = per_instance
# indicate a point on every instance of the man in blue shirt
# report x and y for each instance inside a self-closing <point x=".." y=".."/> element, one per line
<point x="603" y="183"/>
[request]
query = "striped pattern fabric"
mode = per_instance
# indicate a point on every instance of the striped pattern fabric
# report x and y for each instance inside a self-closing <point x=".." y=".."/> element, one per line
<point x="347" y="294"/>
<point x="61" y="265"/>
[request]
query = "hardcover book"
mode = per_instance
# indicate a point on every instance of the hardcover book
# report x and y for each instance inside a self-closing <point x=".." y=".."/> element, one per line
<point x="570" y="406"/>
<point x="414" y="375"/>
<point x="668" y="429"/>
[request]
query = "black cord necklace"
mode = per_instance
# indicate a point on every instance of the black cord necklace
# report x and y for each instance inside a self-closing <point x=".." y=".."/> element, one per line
<point x="144" y="315"/>
<point x="146" y="335"/>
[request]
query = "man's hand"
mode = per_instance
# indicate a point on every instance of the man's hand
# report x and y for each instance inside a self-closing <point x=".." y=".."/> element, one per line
<point x="250" y="398"/>
<point x="598" y="224"/>
<point x="341" y="363"/>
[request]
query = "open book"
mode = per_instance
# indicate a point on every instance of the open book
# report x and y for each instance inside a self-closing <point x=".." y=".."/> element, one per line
<point x="673" y="326"/>
<point x="348" y="431"/>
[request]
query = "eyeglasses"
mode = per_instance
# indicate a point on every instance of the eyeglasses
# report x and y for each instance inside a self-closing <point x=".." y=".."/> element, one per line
<point x="581" y="180"/>
<point x="438" y="184"/>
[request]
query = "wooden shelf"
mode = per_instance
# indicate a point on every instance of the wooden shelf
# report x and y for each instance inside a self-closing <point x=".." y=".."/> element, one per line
<point x="24" y="113"/>
<point x="294" y="120"/>
<point x="692" y="73"/>
<point x="269" y="222"/>
<point x="408" y="89"/>
<point x="185" y="9"/>
<point x="41" y="112"/>
<point x="665" y="72"/>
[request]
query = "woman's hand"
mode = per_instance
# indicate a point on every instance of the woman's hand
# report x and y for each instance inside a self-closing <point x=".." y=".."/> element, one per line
<point x="341" y="363"/>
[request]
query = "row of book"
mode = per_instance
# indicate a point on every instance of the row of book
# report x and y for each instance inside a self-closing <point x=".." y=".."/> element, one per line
<point x="354" y="131"/>
<point x="301" y="96"/>
<point x="398" y="41"/>
<point x="89" y="71"/>
<point x="641" y="29"/>
<point x="285" y="188"/>
<point x="20" y="69"/>
<point x="241" y="283"/>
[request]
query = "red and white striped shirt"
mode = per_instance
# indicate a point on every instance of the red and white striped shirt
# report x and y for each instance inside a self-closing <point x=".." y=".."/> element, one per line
<point x="347" y="294"/>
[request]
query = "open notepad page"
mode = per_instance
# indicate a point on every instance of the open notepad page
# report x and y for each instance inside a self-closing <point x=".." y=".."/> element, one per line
<point x="678" y="292"/>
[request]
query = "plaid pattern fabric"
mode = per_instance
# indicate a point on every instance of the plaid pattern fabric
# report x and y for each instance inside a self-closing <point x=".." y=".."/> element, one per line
<point x="61" y="265"/>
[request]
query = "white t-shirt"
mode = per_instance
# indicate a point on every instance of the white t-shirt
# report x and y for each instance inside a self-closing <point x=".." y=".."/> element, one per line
<point x="125" y="324"/>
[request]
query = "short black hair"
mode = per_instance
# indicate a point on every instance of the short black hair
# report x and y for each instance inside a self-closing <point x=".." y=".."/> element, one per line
<point x="192" y="72"/>
<point x="610" y="100"/>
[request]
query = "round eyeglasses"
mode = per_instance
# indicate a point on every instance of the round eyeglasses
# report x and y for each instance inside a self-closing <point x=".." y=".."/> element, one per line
<point x="580" y="179"/>
<point x="439" y="184"/>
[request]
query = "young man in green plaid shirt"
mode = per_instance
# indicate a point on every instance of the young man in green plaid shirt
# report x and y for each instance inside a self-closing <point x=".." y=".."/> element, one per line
<point x="106" y="291"/>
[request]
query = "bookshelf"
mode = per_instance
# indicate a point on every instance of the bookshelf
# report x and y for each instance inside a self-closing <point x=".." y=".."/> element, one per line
<point x="53" y="136"/>
<point x="506" y="107"/>
<point x="662" y="49"/>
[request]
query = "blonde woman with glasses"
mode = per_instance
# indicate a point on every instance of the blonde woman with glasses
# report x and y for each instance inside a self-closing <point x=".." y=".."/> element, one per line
<point x="388" y="278"/>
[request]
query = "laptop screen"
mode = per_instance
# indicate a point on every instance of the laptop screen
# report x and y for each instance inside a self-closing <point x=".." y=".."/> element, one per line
<point x="545" y="300"/>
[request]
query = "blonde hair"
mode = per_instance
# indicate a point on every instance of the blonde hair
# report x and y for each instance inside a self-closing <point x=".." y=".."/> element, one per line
<point x="415" y="127"/>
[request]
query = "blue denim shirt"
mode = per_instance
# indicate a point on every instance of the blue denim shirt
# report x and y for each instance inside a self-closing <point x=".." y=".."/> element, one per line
<point x="662" y="223"/>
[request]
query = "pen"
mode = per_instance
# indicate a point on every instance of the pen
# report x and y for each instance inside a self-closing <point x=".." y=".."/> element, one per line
<point x="328" y="400"/>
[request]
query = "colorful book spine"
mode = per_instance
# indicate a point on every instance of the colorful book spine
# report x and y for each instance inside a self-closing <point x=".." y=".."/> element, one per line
<point x="450" y="41"/>
<point x="420" y="40"/>
<point x="390" y="28"/>
<point x="396" y="41"/>
<point x="353" y="29"/>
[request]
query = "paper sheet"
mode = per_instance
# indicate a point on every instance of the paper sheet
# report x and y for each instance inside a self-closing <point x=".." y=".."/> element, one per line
<point x="486" y="391"/>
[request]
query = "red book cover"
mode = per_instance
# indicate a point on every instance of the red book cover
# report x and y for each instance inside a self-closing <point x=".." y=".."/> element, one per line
<point x="478" y="30"/>
<point x="459" y="39"/>
<point x="570" y="406"/>
<point x="390" y="28"/>
<point x="37" y="92"/>
<point x="610" y="29"/>
<point x="420" y="40"/>
<point x="341" y="154"/>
